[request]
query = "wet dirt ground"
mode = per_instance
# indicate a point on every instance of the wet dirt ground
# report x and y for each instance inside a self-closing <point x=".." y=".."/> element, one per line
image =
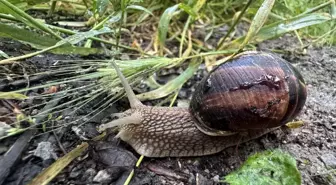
<point x="313" y="145"/>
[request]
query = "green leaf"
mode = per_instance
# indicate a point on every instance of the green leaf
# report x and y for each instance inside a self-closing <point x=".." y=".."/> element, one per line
<point x="12" y="95"/>
<point x="77" y="50"/>
<point x="144" y="15"/>
<point x="137" y="7"/>
<point x="189" y="10"/>
<point x="269" y="167"/>
<point x="333" y="9"/>
<point x="39" y="41"/>
<point x="199" y="4"/>
<point x="101" y="6"/>
<point x="74" y="39"/>
<point x="258" y="20"/>
<point x="164" y="23"/>
<point x="115" y="18"/>
<point x="281" y="27"/>
<point x="35" y="40"/>
<point x="3" y="54"/>
<point x="172" y="85"/>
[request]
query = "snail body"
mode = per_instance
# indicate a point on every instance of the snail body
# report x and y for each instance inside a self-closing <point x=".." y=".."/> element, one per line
<point x="242" y="99"/>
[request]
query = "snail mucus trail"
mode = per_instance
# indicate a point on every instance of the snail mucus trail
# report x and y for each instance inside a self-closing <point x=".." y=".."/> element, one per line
<point x="240" y="100"/>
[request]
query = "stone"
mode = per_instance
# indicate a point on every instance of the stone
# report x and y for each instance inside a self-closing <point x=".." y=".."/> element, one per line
<point x="201" y="180"/>
<point x="75" y="172"/>
<point x="102" y="177"/>
<point x="45" y="151"/>
<point x="113" y="156"/>
<point x="216" y="178"/>
<point x="4" y="128"/>
<point x="329" y="160"/>
<point x="89" y="174"/>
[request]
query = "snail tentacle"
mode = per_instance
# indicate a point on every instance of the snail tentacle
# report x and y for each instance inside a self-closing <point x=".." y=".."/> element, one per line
<point x="133" y="100"/>
<point x="134" y="118"/>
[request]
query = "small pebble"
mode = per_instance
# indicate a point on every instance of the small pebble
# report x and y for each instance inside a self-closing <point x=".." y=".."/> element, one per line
<point x="75" y="172"/>
<point x="102" y="177"/>
<point x="329" y="160"/>
<point x="216" y="178"/>
<point x="45" y="151"/>
<point x="307" y="131"/>
<point x="89" y="174"/>
<point x="3" y="128"/>
<point x="201" y="180"/>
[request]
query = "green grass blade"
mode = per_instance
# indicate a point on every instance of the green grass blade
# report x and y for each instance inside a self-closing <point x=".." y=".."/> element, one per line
<point x="3" y="54"/>
<point x="12" y="95"/>
<point x="172" y="85"/>
<point x="101" y="6"/>
<point x="281" y="27"/>
<point x="52" y="171"/>
<point x="18" y="13"/>
<point x="333" y="9"/>
<point x="145" y="15"/>
<point x="73" y="39"/>
<point x="258" y="20"/>
<point x="277" y="29"/>
<point x="141" y="8"/>
<point x="222" y="40"/>
<point x="189" y="10"/>
<point x="39" y="41"/>
<point x="199" y="4"/>
<point x="164" y="23"/>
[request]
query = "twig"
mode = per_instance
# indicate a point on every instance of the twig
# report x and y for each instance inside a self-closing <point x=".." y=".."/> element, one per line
<point x="23" y="81"/>
<point x="167" y="172"/>
<point x="58" y="141"/>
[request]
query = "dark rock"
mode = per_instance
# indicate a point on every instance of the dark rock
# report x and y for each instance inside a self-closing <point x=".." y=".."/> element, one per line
<point x="113" y="156"/>
<point x="24" y="174"/>
<point x="115" y="172"/>
<point x="88" y="175"/>
<point x="123" y="178"/>
<point x="75" y="172"/>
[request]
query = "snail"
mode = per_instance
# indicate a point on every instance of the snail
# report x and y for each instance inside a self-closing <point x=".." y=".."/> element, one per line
<point x="242" y="99"/>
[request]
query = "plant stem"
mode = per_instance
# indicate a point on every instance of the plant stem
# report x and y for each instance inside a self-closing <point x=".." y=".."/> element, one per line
<point x="183" y="35"/>
<point x="52" y="8"/>
<point x="222" y="40"/>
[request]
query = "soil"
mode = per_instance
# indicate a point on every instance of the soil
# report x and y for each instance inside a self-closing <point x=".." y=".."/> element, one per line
<point x="313" y="145"/>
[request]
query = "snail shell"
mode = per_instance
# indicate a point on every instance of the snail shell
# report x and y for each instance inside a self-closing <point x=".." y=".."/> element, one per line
<point x="253" y="90"/>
